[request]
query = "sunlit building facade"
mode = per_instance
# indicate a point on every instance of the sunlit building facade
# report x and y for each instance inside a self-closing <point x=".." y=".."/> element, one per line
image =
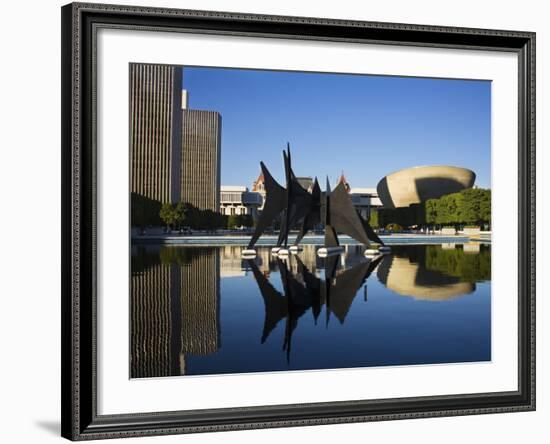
<point x="237" y="200"/>
<point x="200" y="158"/>
<point x="175" y="151"/>
<point x="155" y="131"/>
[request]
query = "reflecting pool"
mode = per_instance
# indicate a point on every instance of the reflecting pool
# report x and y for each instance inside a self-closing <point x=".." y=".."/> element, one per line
<point x="204" y="310"/>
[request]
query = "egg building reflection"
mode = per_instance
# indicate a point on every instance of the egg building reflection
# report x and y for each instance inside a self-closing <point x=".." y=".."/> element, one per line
<point x="435" y="273"/>
<point x="407" y="278"/>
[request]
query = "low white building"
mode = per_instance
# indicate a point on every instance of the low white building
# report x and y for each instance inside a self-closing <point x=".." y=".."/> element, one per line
<point x="365" y="199"/>
<point x="237" y="200"/>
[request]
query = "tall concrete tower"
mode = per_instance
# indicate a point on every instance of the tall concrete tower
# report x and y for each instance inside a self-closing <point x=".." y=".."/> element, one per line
<point x="200" y="158"/>
<point x="174" y="150"/>
<point x="155" y="131"/>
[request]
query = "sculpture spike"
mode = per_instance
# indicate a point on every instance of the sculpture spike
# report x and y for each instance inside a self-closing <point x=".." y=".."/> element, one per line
<point x="331" y="239"/>
<point x="313" y="215"/>
<point x="275" y="203"/>
<point x="344" y="217"/>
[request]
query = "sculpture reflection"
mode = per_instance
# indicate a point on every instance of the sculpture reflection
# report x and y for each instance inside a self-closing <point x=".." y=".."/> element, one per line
<point x="303" y="290"/>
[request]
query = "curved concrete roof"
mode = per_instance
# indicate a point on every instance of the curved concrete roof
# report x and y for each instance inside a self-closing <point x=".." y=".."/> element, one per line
<point x="417" y="184"/>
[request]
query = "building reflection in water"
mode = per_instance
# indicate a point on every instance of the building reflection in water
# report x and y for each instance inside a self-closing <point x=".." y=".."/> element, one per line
<point x="233" y="265"/>
<point x="407" y="278"/>
<point x="175" y="292"/>
<point x="436" y="273"/>
<point x="174" y="307"/>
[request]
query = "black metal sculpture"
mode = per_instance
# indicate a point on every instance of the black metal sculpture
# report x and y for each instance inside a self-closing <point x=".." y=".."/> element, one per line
<point x="295" y="206"/>
<point x="299" y="201"/>
<point x="313" y="217"/>
<point x="276" y="201"/>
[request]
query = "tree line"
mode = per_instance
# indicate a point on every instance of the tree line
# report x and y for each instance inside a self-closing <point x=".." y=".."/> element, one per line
<point x="453" y="263"/>
<point x="470" y="207"/>
<point x="467" y="267"/>
<point x="148" y="212"/>
<point x="183" y="214"/>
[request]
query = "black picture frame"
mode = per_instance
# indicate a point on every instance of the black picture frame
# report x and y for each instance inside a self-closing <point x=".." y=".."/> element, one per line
<point x="79" y="171"/>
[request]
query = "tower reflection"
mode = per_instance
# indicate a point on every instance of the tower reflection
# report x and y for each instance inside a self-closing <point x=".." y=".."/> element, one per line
<point x="174" y="308"/>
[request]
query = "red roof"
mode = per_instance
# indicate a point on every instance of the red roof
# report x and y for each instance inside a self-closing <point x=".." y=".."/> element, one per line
<point x="344" y="181"/>
<point x="258" y="181"/>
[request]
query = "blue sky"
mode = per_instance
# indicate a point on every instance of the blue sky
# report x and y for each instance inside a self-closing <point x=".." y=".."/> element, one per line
<point x="367" y="126"/>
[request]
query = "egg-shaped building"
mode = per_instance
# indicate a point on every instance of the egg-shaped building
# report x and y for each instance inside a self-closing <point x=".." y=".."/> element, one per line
<point x="415" y="185"/>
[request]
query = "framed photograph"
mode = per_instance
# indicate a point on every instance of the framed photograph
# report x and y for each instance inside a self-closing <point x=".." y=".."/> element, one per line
<point x="278" y="221"/>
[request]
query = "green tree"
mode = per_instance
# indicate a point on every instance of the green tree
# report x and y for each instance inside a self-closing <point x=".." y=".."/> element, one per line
<point x="471" y="206"/>
<point x="485" y="207"/>
<point x="180" y="213"/>
<point x="449" y="209"/>
<point x="232" y="221"/>
<point x="457" y="207"/>
<point x="168" y="214"/>
<point x="373" y="219"/>
<point x="477" y="206"/>
<point x="430" y="211"/>
<point x="465" y="207"/>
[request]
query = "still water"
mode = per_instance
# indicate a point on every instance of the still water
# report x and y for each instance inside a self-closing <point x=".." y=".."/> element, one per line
<point x="204" y="310"/>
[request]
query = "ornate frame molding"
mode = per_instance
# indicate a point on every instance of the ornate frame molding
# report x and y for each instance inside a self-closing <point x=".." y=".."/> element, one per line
<point x="80" y="22"/>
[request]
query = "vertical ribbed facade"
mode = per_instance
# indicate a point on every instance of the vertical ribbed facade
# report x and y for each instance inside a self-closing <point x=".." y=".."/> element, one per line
<point x="151" y="323"/>
<point x="200" y="163"/>
<point x="155" y="131"/>
<point x="175" y="312"/>
<point x="200" y="304"/>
